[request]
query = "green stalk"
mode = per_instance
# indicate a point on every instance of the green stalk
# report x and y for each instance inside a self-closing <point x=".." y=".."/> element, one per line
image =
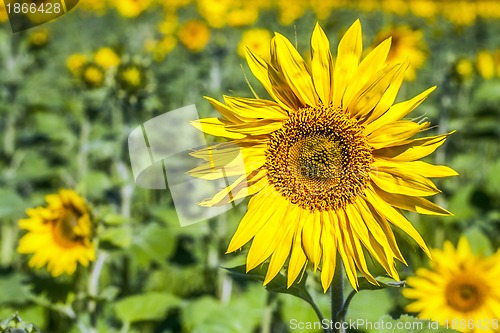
<point x="337" y="297"/>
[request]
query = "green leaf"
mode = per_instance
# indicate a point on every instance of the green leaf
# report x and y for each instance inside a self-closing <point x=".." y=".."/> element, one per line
<point x="277" y="285"/>
<point x="479" y="243"/>
<point x="14" y="291"/>
<point x="370" y="305"/>
<point x="114" y="219"/>
<point x="241" y="315"/>
<point x="119" y="236"/>
<point x="11" y="204"/>
<point x="384" y="282"/>
<point x="95" y="183"/>
<point x="109" y="293"/>
<point x="409" y="324"/>
<point x="155" y="243"/>
<point x="150" y="306"/>
<point x="198" y="311"/>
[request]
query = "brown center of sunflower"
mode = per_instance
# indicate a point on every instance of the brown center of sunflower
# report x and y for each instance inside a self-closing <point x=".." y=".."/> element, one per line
<point x="319" y="159"/>
<point x="64" y="232"/>
<point x="465" y="294"/>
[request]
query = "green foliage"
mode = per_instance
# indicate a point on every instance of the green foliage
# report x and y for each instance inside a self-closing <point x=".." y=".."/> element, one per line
<point x="147" y="306"/>
<point x="276" y="285"/>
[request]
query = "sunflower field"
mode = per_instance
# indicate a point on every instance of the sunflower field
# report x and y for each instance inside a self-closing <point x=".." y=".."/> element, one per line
<point x="230" y="166"/>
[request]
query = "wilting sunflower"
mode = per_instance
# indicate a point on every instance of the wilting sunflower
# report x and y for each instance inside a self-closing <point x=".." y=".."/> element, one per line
<point x="329" y="162"/>
<point x="460" y="290"/>
<point x="59" y="235"/>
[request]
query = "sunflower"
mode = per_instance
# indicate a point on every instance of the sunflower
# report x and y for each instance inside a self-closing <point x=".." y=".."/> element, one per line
<point x="194" y="35"/>
<point x="460" y="290"/>
<point x="59" y="235"/>
<point x="257" y="40"/>
<point x="328" y="162"/>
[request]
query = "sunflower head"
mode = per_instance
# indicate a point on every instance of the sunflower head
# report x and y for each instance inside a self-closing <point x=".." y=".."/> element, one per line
<point x="107" y="57"/>
<point x="257" y="40"/>
<point x="59" y="234"/>
<point x="329" y="162"/>
<point x="75" y="63"/>
<point x="132" y="78"/>
<point x="194" y="35"/>
<point x="459" y="287"/>
<point x="92" y="75"/>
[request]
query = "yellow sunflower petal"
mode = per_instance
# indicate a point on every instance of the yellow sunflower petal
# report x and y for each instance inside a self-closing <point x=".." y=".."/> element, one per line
<point x="423" y="169"/>
<point x="259" y="69"/>
<point x="412" y="150"/>
<point x="398" y="111"/>
<point x="392" y="133"/>
<point x="395" y="181"/>
<point x="322" y="65"/>
<point x="215" y="126"/>
<point x="257" y="215"/>
<point x="365" y="101"/>
<point x="248" y="108"/>
<point x="311" y="236"/>
<point x="290" y="64"/>
<point x="298" y="258"/>
<point x="282" y="251"/>
<point x="370" y="65"/>
<point x="329" y="251"/>
<point x="268" y="238"/>
<point x="348" y="55"/>
<point x="412" y="203"/>
<point x="344" y="247"/>
<point x="395" y="217"/>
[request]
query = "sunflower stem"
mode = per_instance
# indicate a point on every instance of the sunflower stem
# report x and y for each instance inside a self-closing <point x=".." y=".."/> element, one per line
<point x="337" y="297"/>
<point x="93" y="289"/>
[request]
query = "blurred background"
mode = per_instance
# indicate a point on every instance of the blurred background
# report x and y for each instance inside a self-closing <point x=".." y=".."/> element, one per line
<point x="72" y="90"/>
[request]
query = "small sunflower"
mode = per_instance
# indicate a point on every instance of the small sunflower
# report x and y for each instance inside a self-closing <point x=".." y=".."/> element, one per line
<point x="131" y="78"/>
<point x="328" y="162"/>
<point x="460" y="290"/>
<point x="59" y="234"/>
<point x="107" y="57"/>
<point x="194" y="35"/>
<point x="257" y="40"/>
<point x="75" y="63"/>
<point x="92" y="75"/>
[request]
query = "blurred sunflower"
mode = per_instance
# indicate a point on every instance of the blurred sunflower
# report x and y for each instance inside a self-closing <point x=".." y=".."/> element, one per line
<point x="407" y="44"/>
<point x="485" y="64"/>
<point x="257" y="40"/>
<point x="75" y="63"/>
<point x="328" y="163"/>
<point x="92" y="75"/>
<point x="59" y="234"/>
<point x="463" y="70"/>
<point x="107" y="57"/>
<point x="131" y="78"/>
<point x="131" y="8"/>
<point x="460" y="290"/>
<point x="194" y="35"/>
<point x="39" y="38"/>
